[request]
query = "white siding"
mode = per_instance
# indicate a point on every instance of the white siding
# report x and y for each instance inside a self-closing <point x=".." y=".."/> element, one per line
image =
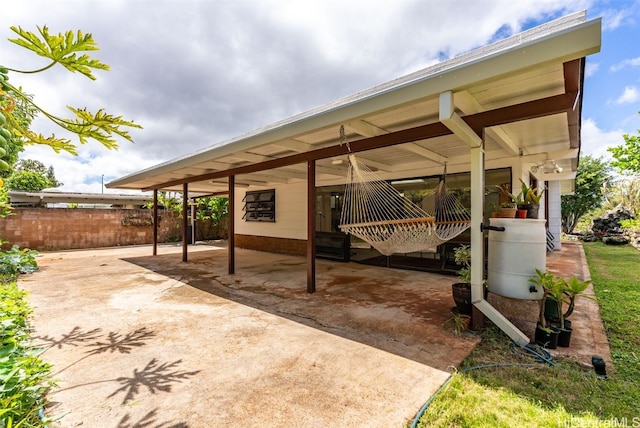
<point x="291" y="213"/>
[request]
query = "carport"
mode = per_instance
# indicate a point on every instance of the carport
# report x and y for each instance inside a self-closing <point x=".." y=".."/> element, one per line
<point x="515" y="103"/>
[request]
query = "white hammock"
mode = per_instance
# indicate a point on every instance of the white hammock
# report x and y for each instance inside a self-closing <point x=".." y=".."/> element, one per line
<point x="374" y="211"/>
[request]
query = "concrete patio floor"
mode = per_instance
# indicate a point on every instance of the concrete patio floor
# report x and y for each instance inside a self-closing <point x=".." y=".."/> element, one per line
<point x="137" y="340"/>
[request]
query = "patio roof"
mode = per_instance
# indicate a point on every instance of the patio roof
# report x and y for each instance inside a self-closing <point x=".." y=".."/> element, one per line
<point x="523" y="94"/>
<point x="20" y="198"/>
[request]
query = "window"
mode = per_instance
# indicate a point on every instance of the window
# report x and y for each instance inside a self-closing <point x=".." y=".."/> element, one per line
<point x="260" y="206"/>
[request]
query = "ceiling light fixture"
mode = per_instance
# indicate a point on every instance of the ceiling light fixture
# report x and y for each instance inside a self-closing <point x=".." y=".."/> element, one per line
<point x="549" y="166"/>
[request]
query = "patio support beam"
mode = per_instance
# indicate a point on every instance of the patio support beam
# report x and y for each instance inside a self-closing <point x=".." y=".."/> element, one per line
<point x="311" y="226"/>
<point x="477" y="251"/>
<point x="477" y="235"/>
<point x="185" y="205"/>
<point x="454" y="122"/>
<point x="462" y="130"/>
<point x="155" y="222"/>
<point x="231" y="240"/>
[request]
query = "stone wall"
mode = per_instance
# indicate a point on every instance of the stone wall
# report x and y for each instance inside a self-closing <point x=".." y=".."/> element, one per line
<point x="73" y="228"/>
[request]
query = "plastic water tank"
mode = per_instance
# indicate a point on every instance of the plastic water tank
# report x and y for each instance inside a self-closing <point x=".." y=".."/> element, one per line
<point x="514" y="256"/>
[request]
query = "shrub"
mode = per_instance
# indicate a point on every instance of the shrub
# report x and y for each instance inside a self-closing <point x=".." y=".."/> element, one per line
<point x="24" y="377"/>
<point x="16" y="261"/>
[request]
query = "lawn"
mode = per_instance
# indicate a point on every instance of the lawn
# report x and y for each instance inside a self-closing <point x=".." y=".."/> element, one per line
<point x="500" y="386"/>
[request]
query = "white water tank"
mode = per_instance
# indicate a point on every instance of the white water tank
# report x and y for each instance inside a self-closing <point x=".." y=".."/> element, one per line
<point x="514" y="256"/>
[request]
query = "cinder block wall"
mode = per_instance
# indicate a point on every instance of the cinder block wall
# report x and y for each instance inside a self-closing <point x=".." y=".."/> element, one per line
<point x="73" y="228"/>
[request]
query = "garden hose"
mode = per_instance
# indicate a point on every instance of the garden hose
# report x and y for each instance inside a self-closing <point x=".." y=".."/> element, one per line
<point x="540" y="356"/>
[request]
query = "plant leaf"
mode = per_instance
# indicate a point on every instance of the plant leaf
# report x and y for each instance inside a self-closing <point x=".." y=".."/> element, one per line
<point x="62" y="49"/>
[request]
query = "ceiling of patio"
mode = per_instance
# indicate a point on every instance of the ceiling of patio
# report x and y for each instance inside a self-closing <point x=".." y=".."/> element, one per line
<point x="510" y="75"/>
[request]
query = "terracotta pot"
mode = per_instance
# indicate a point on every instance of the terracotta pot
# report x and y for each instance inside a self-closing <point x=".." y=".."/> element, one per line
<point x="521" y="213"/>
<point x="508" y="212"/>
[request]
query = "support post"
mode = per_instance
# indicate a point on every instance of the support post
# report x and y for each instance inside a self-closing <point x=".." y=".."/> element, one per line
<point x="311" y="226"/>
<point x="231" y="246"/>
<point x="193" y="222"/>
<point x="477" y="236"/>
<point x="477" y="250"/>
<point x="185" y="205"/>
<point x="155" y="222"/>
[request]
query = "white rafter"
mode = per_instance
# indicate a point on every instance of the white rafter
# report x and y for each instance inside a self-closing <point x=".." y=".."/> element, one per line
<point x="467" y="104"/>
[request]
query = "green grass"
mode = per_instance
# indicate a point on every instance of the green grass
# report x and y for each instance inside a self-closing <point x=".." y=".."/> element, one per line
<point x="567" y="394"/>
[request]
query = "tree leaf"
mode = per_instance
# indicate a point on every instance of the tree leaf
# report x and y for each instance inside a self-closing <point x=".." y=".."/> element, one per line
<point x="62" y="49"/>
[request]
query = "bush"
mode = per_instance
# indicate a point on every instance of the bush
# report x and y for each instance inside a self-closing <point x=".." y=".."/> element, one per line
<point x="24" y="377"/>
<point x="633" y="224"/>
<point x="16" y="261"/>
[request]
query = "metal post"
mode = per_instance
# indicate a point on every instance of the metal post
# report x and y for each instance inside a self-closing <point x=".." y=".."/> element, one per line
<point x="185" y="205"/>
<point x="155" y="222"/>
<point x="311" y="226"/>
<point x="231" y="240"/>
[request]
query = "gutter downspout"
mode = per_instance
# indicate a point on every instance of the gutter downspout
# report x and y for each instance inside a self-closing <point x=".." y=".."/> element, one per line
<point x="455" y="123"/>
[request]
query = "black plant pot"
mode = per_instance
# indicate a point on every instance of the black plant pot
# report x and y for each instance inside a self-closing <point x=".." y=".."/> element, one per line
<point x="547" y="338"/>
<point x="555" y="323"/>
<point x="462" y="296"/>
<point x="564" y="336"/>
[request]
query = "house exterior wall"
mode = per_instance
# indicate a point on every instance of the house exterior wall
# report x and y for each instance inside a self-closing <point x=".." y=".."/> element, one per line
<point x="291" y="214"/>
<point x="288" y="234"/>
<point x="75" y="228"/>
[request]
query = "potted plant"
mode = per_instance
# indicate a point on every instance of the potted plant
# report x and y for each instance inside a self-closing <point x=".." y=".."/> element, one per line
<point x="530" y="199"/>
<point x="462" y="290"/>
<point x="508" y="208"/>
<point x="554" y="307"/>
<point x="546" y="334"/>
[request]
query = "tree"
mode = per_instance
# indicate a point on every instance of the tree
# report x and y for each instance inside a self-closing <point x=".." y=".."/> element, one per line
<point x="59" y="49"/>
<point x="591" y="176"/>
<point x="32" y="176"/>
<point x="17" y="108"/>
<point x="625" y="192"/>
<point x="627" y="157"/>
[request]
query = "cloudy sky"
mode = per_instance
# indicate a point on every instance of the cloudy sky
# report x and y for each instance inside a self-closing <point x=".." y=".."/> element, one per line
<point x="195" y="73"/>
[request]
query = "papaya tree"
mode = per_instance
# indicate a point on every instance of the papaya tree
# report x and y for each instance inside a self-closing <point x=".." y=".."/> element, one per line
<point x="18" y="108"/>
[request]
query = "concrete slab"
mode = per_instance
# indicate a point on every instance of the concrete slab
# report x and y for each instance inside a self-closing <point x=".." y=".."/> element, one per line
<point x="140" y="341"/>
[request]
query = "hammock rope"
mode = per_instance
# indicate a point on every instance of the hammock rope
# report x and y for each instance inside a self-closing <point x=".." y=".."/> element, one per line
<point x="374" y="211"/>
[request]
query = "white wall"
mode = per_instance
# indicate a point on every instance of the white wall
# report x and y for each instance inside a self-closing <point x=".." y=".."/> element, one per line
<point x="291" y="213"/>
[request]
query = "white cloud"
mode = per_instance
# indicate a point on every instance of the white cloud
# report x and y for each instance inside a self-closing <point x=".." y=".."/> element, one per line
<point x="630" y="95"/>
<point x="614" y="18"/>
<point x="195" y="73"/>
<point x="630" y="62"/>
<point x="595" y="141"/>
<point x="591" y="68"/>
